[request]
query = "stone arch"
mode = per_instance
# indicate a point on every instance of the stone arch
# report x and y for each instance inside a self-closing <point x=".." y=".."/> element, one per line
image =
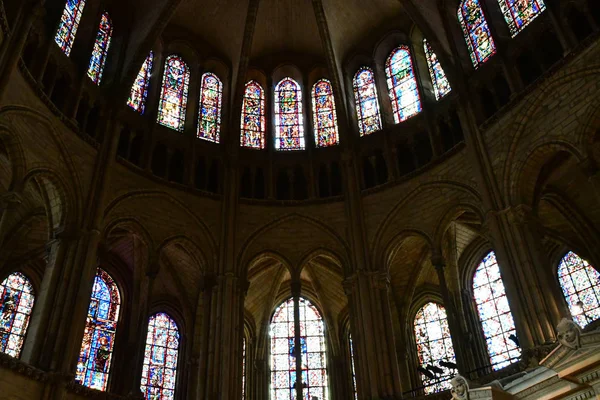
<point x="13" y="146"/>
<point x="450" y="214"/>
<point x="394" y="244"/>
<point x="190" y="248"/>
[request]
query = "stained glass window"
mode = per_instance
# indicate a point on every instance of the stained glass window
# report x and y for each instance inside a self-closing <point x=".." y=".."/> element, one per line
<point x="93" y="366"/>
<point x="367" y="105"/>
<point x="580" y="283"/>
<point x="351" y="345"/>
<point x="100" y="52"/>
<point x="160" y="358"/>
<point x="324" y="114"/>
<point x="434" y="348"/>
<point x="69" y="22"/>
<point x="519" y="13"/>
<point x="244" y="369"/>
<point x="476" y="32"/>
<point x="139" y="90"/>
<point x="174" y="93"/>
<point x="441" y="86"/>
<point x="289" y="121"/>
<point x="494" y="313"/>
<point x="209" y="117"/>
<point x="16" y="303"/>
<point x="253" y="124"/>
<point x="402" y="84"/>
<point x="312" y="352"/>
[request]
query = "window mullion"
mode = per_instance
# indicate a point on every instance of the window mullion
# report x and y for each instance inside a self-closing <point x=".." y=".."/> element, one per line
<point x="297" y="341"/>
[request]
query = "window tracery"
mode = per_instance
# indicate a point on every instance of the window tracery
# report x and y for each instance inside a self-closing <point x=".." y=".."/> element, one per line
<point x="139" y="90"/>
<point x="101" y="46"/>
<point x="367" y="104"/>
<point x="16" y="303"/>
<point x="67" y="27"/>
<point x="324" y="114"/>
<point x="402" y="85"/>
<point x="494" y="313"/>
<point x="580" y="283"/>
<point x="174" y="93"/>
<point x="519" y="13"/>
<point x="253" y="124"/>
<point x="441" y="85"/>
<point x="289" y="119"/>
<point x="211" y="99"/>
<point x="476" y="32"/>
<point x="95" y="356"/>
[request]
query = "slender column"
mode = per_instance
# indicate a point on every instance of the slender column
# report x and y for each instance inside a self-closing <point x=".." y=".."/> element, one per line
<point x="9" y="203"/>
<point x="296" y="290"/>
<point x="208" y="287"/>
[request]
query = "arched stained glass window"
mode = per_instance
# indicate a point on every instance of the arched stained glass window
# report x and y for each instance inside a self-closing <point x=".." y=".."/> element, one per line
<point x="209" y="117"/>
<point x="93" y="366"/>
<point x="494" y="313"/>
<point x="402" y="84"/>
<point x="580" y="283"/>
<point x="351" y="345"/>
<point x="253" y="124"/>
<point x="324" y="114"/>
<point x="100" y="52"/>
<point x="284" y="353"/>
<point x="244" y="369"/>
<point x="519" y="13"/>
<point x="367" y="104"/>
<point x="434" y="348"/>
<point x="476" y="32"/>
<point x="16" y="303"/>
<point x="69" y="22"/>
<point x="174" y="93"/>
<point x="139" y="90"/>
<point x="160" y="358"/>
<point x="441" y="86"/>
<point x="289" y="120"/>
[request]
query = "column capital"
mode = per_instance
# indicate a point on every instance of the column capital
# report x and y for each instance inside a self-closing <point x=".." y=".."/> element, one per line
<point x="296" y="288"/>
<point x="349" y="285"/>
<point x="438" y="260"/>
<point x="381" y="280"/>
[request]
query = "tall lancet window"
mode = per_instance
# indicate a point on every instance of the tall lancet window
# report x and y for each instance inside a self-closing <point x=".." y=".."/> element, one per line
<point x="16" y="304"/>
<point x="476" y="32"/>
<point x="244" y="369"/>
<point x="324" y="114"/>
<point x="69" y="22"/>
<point x="139" y="90"/>
<point x="211" y="99"/>
<point x="494" y="313"/>
<point x="367" y="104"/>
<point x="289" y="120"/>
<point x="580" y="283"/>
<point x="351" y="346"/>
<point x="441" y="86"/>
<point x="174" y="93"/>
<point x="434" y="348"/>
<point x="519" y="13"/>
<point x="93" y="366"/>
<point x="402" y="84"/>
<point x="253" y="124"/>
<point x="285" y="366"/>
<point x="159" y="371"/>
<point x="100" y="52"/>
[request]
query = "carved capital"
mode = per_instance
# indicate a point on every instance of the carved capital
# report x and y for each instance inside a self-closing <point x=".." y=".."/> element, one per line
<point x="381" y="280"/>
<point x="349" y="285"/>
<point x="438" y="260"/>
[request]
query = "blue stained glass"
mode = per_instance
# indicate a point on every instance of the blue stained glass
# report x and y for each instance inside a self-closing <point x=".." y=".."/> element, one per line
<point x="139" y="90"/>
<point x="209" y="117"/>
<point x="174" y="93"/>
<point x="69" y="22"/>
<point x="100" y="52"/>
<point x="476" y="32"/>
<point x="324" y="114"/>
<point x="519" y="13"/>
<point x="580" y="283"/>
<point x="441" y="86"/>
<point x="16" y="304"/>
<point x="253" y="123"/>
<point x="367" y="104"/>
<point x="402" y="84"/>
<point x="289" y="120"/>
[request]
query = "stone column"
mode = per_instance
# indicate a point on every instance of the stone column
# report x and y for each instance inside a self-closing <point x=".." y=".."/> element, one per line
<point x="296" y="291"/>
<point x="9" y="203"/>
<point x="208" y="287"/>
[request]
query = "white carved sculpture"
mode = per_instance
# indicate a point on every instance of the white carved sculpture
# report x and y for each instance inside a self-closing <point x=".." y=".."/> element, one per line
<point x="460" y="388"/>
<point x="569" y="334"/>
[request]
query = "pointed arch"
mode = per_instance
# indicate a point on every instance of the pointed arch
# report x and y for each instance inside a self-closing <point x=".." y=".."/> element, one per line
<point x="289" y="119"/>
<point x="95" y="356"/>
<point x="253" y="124"/>
<point x="441" y="85"/>
<point x="159" y="372"/>
<point x="580" y="283"/>
<point x="494" y="313"/>
<point x="211" y="100"/>
<point x="324" y="114"/>
<point x="402" y="84"/>
<point x="68" y="25"/>
<point x="139" y="90"/>
<point x="476" y="32"/>
<point x="519" y="13"/>
<point x="16" y="303"/>
<point x="174" y="93"/>
<point x="366" y="102"/>
<point x="101" y="46"/>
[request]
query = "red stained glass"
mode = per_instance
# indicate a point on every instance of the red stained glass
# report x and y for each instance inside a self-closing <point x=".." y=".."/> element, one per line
<point x="209" y="117"/>
<point x="253" y="124"/>
<point x="139" y="90"/>
<point x="476" y="32"/>
<point x="16" y="304"/>
<point x="174" y="93"/>
<point x="289" y="120"/>
<point x="100" y="52"/>
<point x="367" y="104"/>
<point x="69" y="22"/>
<point x="402" y="85"/>
<point x="324" y="114"/>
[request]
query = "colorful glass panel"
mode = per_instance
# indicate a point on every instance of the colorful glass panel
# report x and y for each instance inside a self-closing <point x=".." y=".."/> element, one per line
<point x="209" y="117"/>
<point x="351" y="345"/>
<point x="174" y="93"/>
<point x="283" y="356"/>
<point x="434" y="346"/>
<point x="160" y="358"/>
<point x="402" y="85"/>
<point x="139" y="90"/>
<point x="494" y="313"/>
<point x="367" y="105"/>
<point x="244" y="369"/>
<point x="476" y="32"/>
<point x="289" y="120"/>
<point x="441" y="86"/>
<point x="100" y="52"/>
<point x="93" y="366"/>
<point x="519" y="13"/>
<point x="580" y="283"/>
<point x="16" y="303"/>
<point x="324" y="114"/>
<point x="67" y="27"/>
<point x="253" y="124"/>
